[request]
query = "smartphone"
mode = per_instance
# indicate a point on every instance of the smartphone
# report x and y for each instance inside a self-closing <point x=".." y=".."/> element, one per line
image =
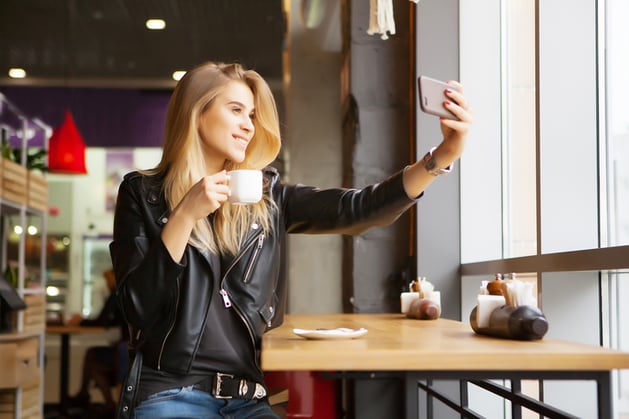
<point x="432" y="95"/>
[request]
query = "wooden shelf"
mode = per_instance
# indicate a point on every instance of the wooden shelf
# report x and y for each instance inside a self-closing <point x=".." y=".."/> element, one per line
<point x="23" y="193"/>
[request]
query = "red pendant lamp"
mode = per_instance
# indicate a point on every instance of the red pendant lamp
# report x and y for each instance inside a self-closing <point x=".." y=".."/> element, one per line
<point x="66" y="148"/>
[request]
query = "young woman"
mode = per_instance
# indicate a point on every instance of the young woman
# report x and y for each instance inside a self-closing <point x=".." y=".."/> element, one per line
<point x="198" y="278"/>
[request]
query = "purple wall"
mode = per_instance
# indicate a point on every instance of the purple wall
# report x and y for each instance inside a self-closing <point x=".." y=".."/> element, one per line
<point x="105" y="117"/>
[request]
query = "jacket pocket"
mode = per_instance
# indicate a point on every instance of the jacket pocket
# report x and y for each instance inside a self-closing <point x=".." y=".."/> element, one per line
<point x="257" y="249"/>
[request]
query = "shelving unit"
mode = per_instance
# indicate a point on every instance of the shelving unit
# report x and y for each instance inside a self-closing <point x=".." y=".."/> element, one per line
<point x="23" y="217"/>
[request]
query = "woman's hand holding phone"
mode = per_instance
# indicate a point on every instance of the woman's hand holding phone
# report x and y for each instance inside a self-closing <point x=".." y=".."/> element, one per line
<point x="432" y="97"/>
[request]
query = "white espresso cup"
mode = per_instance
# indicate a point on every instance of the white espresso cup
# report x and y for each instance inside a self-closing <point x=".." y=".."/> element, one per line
<point x="245" y="186"/>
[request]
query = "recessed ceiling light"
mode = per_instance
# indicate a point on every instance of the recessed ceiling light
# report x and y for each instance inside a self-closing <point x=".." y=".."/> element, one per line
<point x="177" y="75"/>
<point x="17" y="73"/>
<point x="156" y="24"/>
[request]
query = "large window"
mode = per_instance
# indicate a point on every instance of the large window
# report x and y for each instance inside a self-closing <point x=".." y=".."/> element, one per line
<point x="545" y="179"/>
<point x="617" y="123"/>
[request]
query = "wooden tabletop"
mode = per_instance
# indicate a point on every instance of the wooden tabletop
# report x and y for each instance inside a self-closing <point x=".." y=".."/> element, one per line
<point x="395" y="343"/>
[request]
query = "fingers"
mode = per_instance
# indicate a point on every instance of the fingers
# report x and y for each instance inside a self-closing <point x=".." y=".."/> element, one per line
<point x="206" y="196"/>
<point x="221" y="177"/>
<point x="216" y="188"/>
<point x="460" y="112"/>
<point x="461" y="125"/>
<point x="456" y="94"/>
<point x="455" y="131"/>
<point x="459" y="105"/>
<point x="457" y="86"/>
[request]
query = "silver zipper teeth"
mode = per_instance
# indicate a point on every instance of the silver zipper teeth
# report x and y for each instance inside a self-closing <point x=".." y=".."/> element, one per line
<point x="170" y="329"/>
<point x="234" y="306"/>
<point x="242" y="317"/>
<point x="254" y="257"/>
<point x="235" y="261"/>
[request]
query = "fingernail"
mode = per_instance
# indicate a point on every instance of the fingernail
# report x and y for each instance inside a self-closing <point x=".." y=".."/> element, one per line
<point x="448" y="90"/>
<point x="447" y="103"/>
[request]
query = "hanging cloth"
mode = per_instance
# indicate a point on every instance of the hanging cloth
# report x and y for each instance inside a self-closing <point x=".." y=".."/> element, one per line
<point x="66" y="148"/>
<point x="381" y="19"/>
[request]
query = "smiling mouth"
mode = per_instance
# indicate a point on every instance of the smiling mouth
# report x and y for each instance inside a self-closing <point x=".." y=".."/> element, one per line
<point x="241" y="140"/>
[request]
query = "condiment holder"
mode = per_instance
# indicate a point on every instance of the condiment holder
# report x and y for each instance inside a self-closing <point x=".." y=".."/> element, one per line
<point x="421" y="301"/>
<point x="508" y="309"/>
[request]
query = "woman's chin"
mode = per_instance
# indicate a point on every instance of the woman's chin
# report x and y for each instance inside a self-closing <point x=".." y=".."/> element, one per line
<point x="238" y="158"/>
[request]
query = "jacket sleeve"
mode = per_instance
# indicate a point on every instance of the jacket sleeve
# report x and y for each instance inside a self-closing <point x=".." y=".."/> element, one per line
<point x="344" y="211"/>
<point x="145" y="272"/>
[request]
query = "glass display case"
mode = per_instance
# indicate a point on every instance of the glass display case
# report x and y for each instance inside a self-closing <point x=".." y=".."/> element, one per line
<point x="57" y="272"/>
<point x="96" y="260"/>
<point x="56" y="264"/>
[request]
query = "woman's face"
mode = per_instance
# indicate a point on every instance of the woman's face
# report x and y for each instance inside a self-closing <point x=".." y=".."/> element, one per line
<point x="226" y="127"/>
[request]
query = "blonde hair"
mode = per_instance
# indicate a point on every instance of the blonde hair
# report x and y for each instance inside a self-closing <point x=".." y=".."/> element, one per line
<point x="182" y="163"/>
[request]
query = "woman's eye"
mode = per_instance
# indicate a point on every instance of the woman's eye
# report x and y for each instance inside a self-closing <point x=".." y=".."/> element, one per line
<point x="252" y="116"/>
<point x="236" y="110"/>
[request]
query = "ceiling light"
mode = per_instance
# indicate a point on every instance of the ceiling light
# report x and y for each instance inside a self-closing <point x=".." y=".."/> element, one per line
<point x="177" y="75"/>
<point x="17" y="73"/>
<point x="155" y="24"/>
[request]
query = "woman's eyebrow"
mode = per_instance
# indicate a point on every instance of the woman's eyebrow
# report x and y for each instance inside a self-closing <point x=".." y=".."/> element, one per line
<point x="239" y="103"/>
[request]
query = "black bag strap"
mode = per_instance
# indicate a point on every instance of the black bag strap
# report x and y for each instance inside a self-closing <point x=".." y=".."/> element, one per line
<point x="129" y="390"/>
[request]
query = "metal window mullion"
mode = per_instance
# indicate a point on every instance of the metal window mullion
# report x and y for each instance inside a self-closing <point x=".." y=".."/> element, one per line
<point x="606" y="236"/>
<point x="504" y="130"/>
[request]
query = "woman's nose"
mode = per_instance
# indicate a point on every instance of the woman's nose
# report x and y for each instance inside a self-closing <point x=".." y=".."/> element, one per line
<point x="247" y="123"/>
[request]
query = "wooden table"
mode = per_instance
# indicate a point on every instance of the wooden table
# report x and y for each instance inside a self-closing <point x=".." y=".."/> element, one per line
<point x="64" y="370"/>
<point x="439" y="349"/>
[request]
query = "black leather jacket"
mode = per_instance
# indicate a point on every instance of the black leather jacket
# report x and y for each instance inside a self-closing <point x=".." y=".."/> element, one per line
<point x="165" y="302"/>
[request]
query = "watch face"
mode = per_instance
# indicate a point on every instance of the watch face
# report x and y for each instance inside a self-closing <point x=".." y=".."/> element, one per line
<point x="430" y="165"/>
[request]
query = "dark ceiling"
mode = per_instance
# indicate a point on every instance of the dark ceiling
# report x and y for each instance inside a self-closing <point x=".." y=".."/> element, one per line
<point x="76" y="42"/>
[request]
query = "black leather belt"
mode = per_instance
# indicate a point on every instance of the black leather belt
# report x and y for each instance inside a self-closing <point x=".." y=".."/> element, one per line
<point x="226" y="386"/>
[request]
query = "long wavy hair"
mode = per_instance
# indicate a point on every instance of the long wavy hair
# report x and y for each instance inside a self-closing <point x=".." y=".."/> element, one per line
<point x="182" y="163"/>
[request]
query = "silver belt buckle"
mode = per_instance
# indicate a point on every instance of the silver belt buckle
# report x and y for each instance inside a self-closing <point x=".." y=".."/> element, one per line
<point x="216" y="391"/>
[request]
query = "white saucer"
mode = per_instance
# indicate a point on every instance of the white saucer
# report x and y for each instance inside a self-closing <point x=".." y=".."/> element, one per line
<point x="340" y="333"/>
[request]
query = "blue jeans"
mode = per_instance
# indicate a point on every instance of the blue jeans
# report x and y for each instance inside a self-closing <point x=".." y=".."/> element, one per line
<point x="190" y="403"/>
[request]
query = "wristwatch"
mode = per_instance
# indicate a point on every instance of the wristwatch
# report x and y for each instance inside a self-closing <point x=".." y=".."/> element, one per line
<point x="431" y="166"/>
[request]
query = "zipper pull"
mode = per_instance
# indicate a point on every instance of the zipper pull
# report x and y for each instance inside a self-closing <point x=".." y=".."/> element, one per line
<point x="226" y="299"/>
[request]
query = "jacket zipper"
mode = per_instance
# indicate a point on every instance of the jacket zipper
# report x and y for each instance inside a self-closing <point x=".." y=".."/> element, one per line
<point x="170" y="329"/>
<point x="258" y="240"/>
<point x="227" y="301"/>
<point x="254" y="257"/>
